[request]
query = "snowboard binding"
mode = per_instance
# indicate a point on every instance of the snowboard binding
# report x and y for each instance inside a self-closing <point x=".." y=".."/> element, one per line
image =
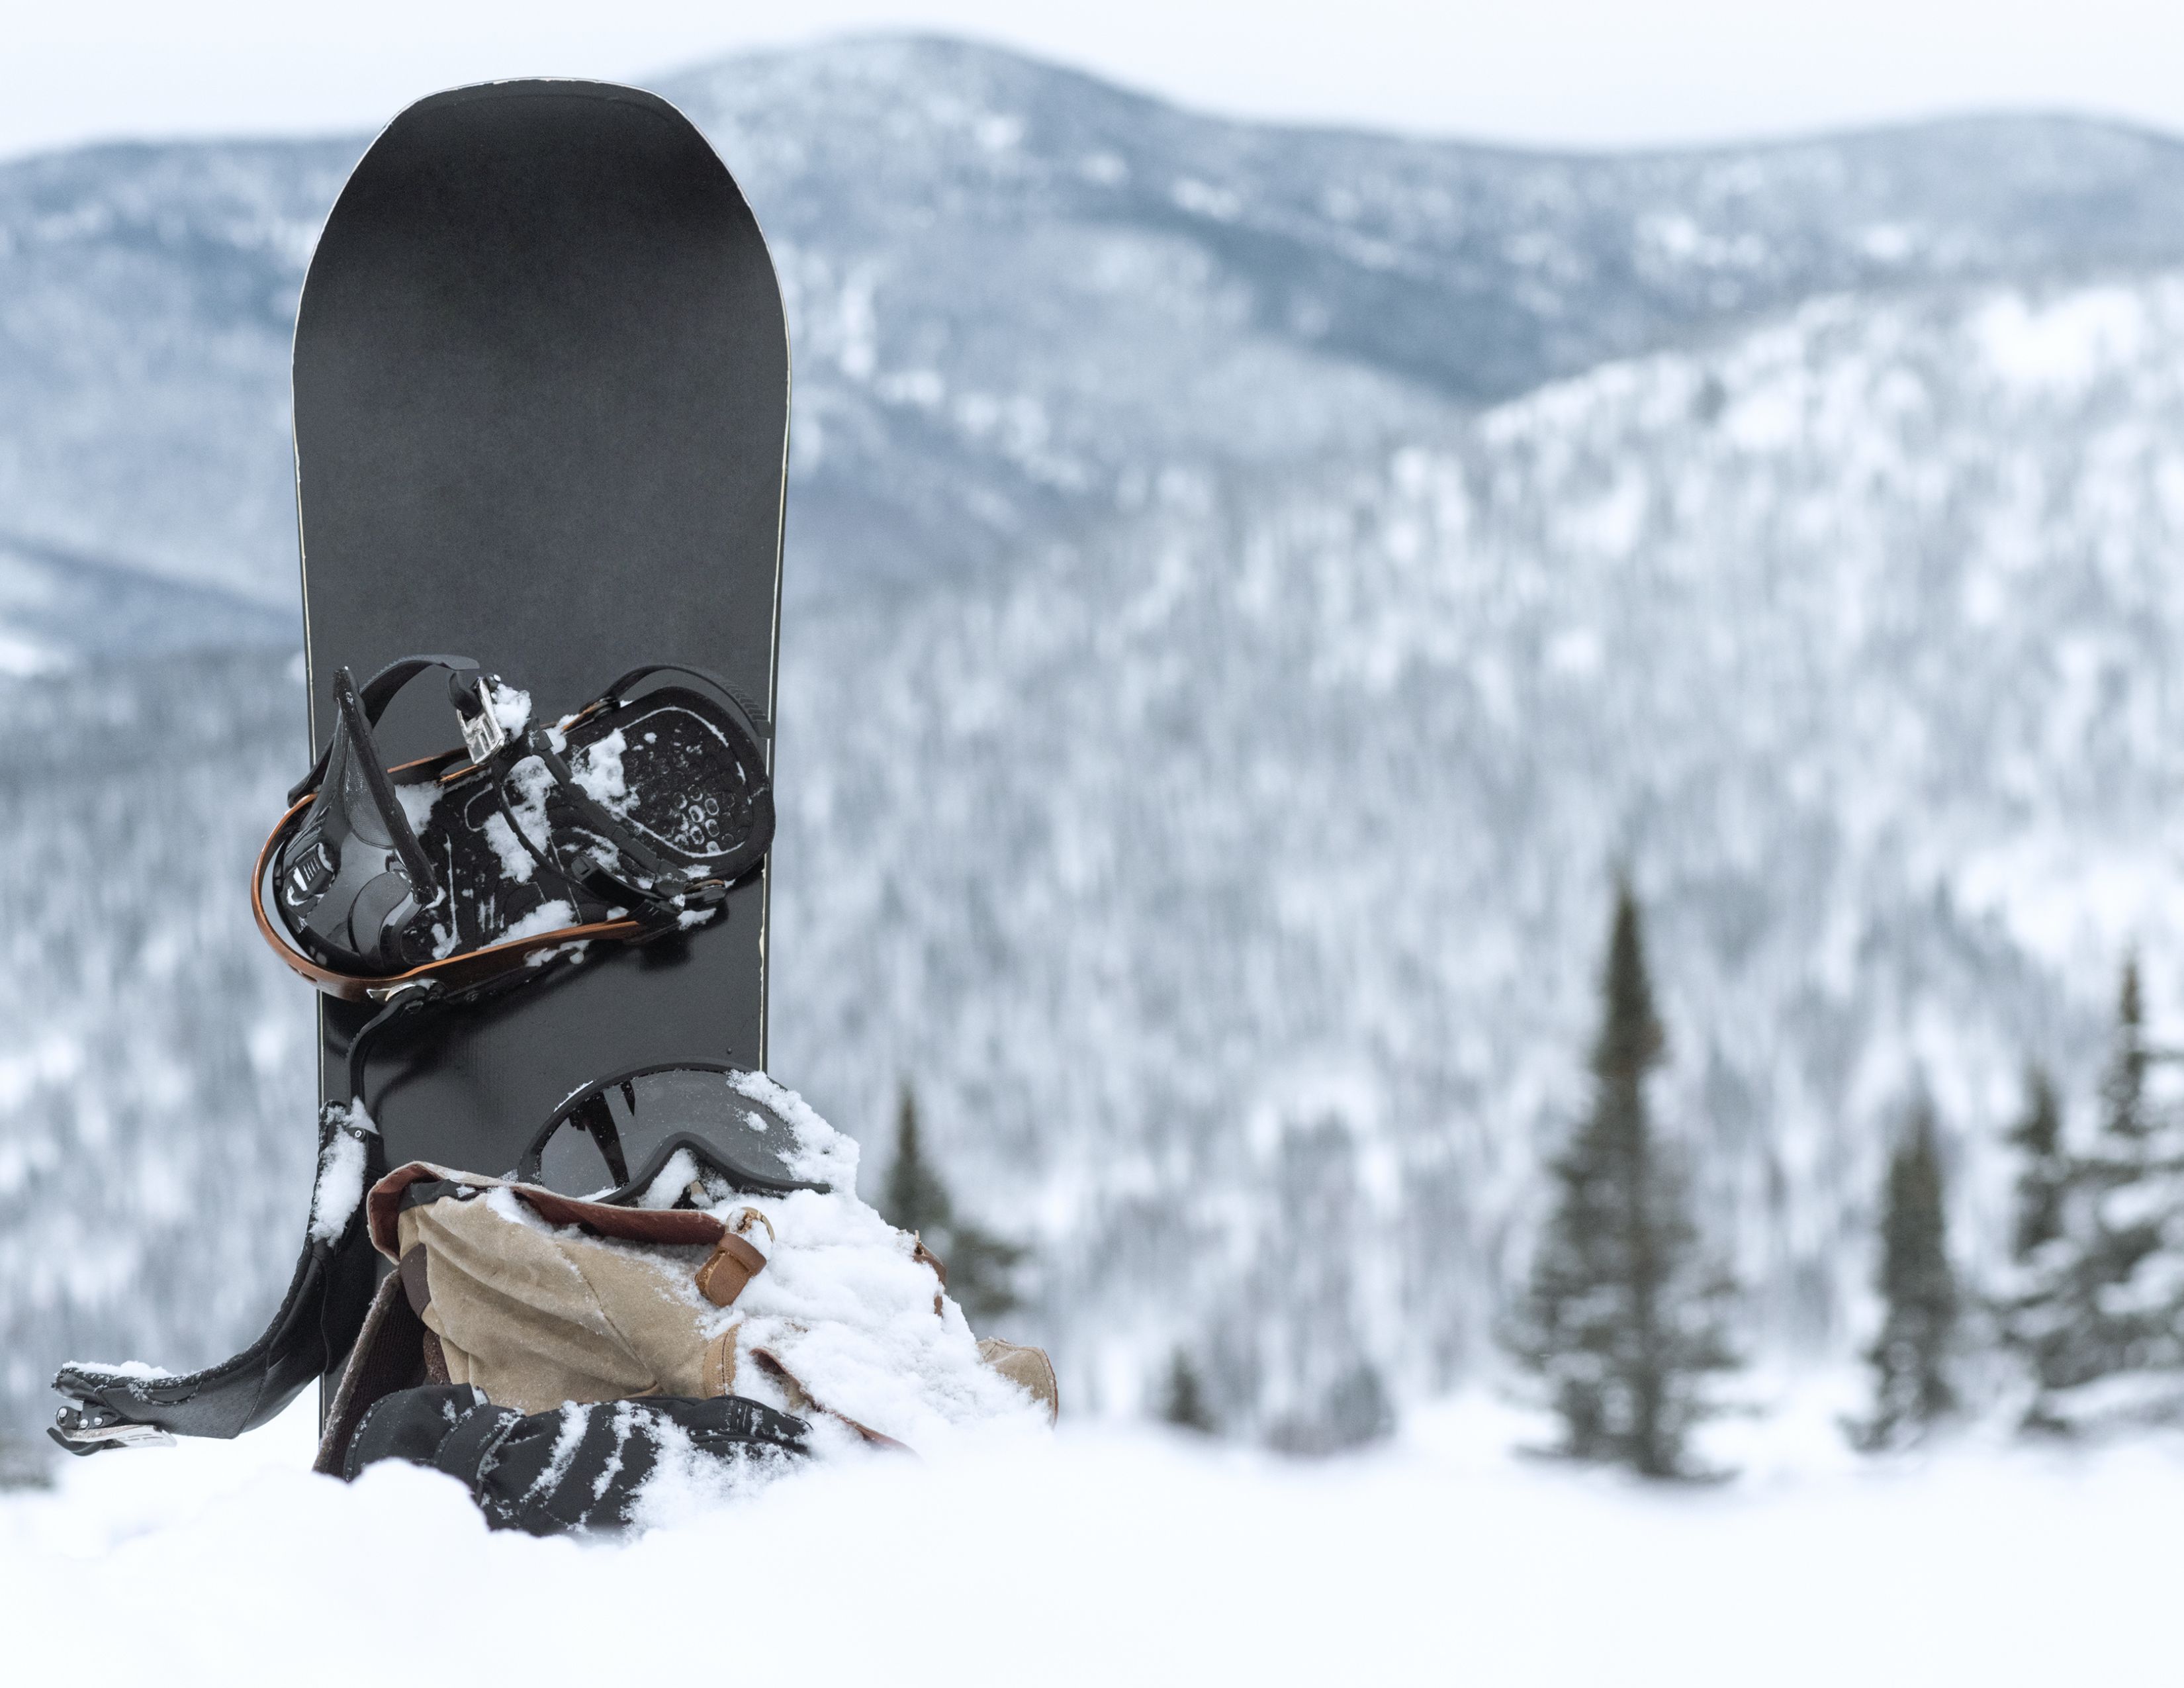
<point x="473" y="868"/>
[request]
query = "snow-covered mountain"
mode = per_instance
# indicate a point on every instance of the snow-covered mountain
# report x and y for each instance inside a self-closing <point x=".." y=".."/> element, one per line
<point x="1019" y="293"/>
<point x="1251" y="590"/>
<point x="1289" y="813"/>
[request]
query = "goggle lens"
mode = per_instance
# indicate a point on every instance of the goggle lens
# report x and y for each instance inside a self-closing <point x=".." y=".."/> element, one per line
<point x="610" y="1140"/>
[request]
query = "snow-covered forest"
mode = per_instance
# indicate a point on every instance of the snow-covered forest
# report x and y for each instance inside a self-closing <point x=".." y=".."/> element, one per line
<point x="1250" y="593"/>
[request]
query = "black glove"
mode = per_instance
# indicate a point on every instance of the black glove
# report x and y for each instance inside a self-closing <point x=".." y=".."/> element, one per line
<point x="504" y="1457"/>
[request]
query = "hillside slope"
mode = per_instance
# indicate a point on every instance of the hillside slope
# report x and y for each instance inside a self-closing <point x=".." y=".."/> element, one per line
<point x="1263" y="848"/>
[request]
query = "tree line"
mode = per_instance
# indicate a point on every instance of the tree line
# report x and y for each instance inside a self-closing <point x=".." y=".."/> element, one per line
<point x="1626" y="1317"/>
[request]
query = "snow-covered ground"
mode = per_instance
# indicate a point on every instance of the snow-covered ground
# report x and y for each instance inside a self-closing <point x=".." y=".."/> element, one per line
<point x="1113" y="1556"/>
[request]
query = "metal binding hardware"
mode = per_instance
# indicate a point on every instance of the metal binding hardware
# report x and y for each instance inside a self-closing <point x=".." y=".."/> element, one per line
<point x="483" y="733"/>
<point x="90" y="1427"/>
<point x="395" y="993"/>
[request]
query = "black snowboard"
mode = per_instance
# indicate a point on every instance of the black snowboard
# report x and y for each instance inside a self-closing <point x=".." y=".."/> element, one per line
<point x="542" y="420"/>
<point x="542" y="414"/>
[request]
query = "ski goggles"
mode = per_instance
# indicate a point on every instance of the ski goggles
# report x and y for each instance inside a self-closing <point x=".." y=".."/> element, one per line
<point x="611" y="1141"/>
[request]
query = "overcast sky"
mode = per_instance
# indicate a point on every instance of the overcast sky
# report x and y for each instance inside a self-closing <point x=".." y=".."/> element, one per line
<point x="1572" y="72"/>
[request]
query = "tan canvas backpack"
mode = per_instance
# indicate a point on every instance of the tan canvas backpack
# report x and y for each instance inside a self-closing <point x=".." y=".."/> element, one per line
<point x="537" y="1301"/>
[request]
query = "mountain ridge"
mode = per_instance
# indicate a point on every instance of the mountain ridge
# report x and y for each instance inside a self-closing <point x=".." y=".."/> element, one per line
<point x="1066" y="290"/>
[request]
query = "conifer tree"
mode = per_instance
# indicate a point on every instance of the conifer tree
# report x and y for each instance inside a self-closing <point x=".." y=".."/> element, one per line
<point x="1182" y="1397"/>
<point x="1911" y="1357"/>
<point x="2100" y="1317"/>
<point x="981" y="1266"/>
<point x="2044" y="1172"/>
<point x="1623" y="1319"/>
<point x="2036" y="1297"/>
<point x="914" y="1199"/>
<point x="2123" y="1086"/>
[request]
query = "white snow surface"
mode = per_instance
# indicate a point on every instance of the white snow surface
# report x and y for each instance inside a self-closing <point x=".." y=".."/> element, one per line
<point x="1103" y="1556"/>
<point x="142" y="1370"/>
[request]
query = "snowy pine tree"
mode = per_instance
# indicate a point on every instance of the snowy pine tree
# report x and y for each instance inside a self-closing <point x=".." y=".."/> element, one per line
<point x="1623" y="1319"/>
<point x="2099" y="1320"/>
<point x="1911" y="1357"/>
<point x="2044" y="1174"/>
<point x="2026" y="1308"/>
<point x="1182" y="1397"/>
<point x="913" y="1199"/>
<point x="981" y="1266"/>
